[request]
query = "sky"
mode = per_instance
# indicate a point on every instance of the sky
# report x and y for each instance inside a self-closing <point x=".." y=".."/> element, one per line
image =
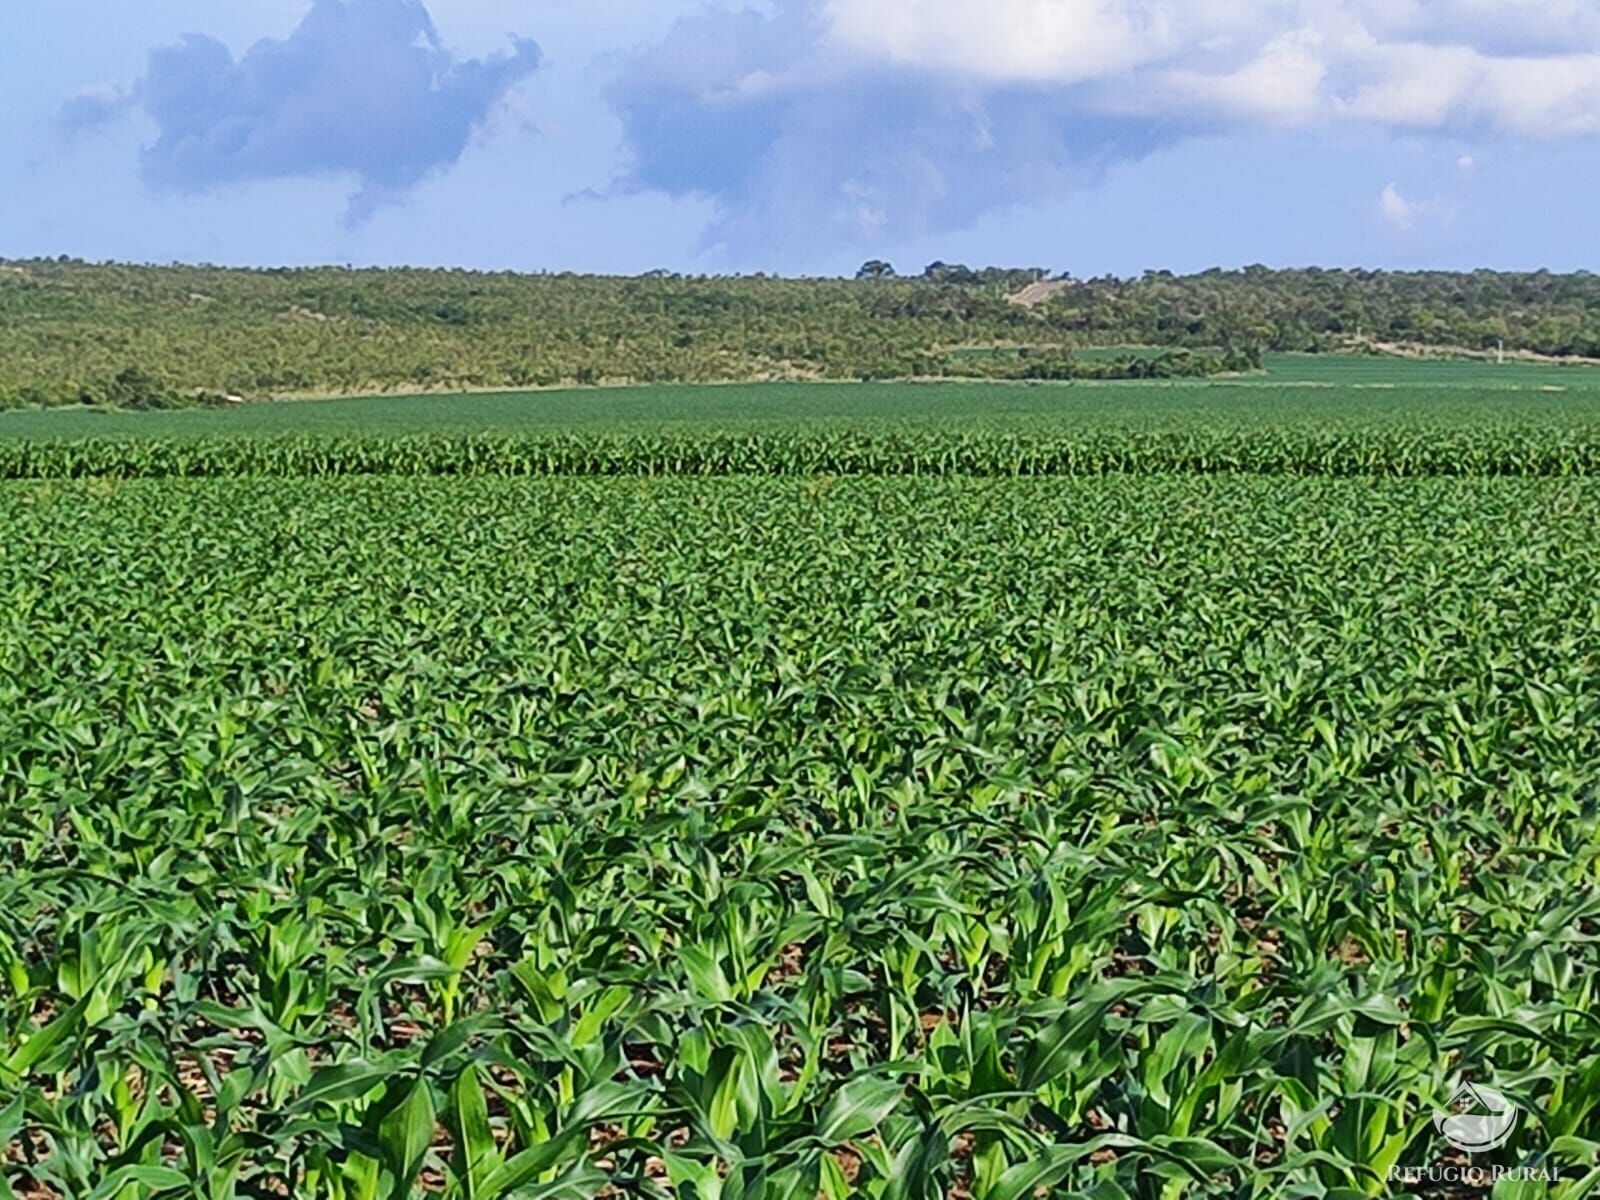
<point x="803" y="136"/>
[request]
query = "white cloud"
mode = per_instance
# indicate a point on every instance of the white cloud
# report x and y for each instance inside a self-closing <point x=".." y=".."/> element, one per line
<point x="861" y="119"/>
<point x="1037" y="41"/>
<point x="1429" y="87"/>
<point x="1396" y="209"/>
<point x="1549" y="97"/>
<point x="1502" y="27"/>
<point x="1406" y="214"/>
<point x="1524" y="67"/>
<point x="1283" y="83"/>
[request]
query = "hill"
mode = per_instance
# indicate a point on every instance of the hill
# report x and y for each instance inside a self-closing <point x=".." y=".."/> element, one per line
<point x="141" y="336"/>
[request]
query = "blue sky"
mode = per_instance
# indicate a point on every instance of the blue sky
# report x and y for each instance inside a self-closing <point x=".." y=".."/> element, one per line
<point x="803" y="136"/>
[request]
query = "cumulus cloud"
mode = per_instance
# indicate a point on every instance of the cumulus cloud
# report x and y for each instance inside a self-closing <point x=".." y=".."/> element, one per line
<point x="361" y="87"/>
<point x="843" y="120"/>
<point x="1457" y="87"/>
<point x="1281" y="83"/>
<point x="800" y="142"/>
<point x="1501" y="28"/>
<point x="1527" y="67"/>
<point x="1010" y="40"/>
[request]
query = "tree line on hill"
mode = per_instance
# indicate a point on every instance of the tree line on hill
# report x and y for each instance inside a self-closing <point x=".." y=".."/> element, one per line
<point x="145" y="336"/>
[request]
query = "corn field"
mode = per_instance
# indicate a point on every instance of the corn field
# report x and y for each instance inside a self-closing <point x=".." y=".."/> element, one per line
<point x="1154" y="836"/>
<point x="1381" y="451"/>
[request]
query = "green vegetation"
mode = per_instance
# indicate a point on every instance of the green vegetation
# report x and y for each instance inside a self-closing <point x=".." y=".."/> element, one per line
<point x="1142" y="837"/>
<point x="1383" y="450"/>
<point x="158" y="337"/>
<point x="1341" y="392"/>
<point x="1063" y="364"/>
<point x="460" y="795"/>
<point x="1429" y="421"/>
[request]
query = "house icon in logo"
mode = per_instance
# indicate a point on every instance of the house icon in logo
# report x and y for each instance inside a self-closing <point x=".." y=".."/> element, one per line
<point x="1477" y="1119"/>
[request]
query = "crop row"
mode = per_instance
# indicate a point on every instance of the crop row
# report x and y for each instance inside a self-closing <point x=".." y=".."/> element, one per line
<point x="1391" y="451"/>
<point x="733" y="839"/>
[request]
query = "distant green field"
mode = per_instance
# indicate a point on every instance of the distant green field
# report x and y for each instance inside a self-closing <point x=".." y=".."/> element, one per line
<point x="1344" y="370"/>
<point x="1346" y="390"/>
